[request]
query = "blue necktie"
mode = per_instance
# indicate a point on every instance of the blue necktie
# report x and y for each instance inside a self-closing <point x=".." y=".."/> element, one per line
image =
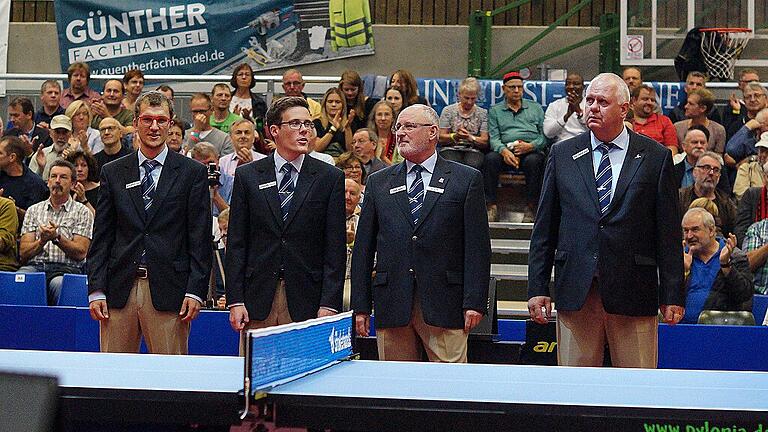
<point x="286" y="189"/>
<point x="604" y="178"/>
<point x="148" y="183"/>
<point x="416" y="193"/>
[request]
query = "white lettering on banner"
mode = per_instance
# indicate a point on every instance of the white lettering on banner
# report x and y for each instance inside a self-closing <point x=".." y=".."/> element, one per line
<point x="98" y="26"/>
<point x="529" y="88"/>
<point x="340" y="340"/>
<point x="133" y="47"/>
<point x="438" y="90"/>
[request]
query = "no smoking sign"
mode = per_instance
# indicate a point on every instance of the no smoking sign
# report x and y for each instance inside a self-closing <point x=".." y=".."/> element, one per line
<point x="634" y="47"/>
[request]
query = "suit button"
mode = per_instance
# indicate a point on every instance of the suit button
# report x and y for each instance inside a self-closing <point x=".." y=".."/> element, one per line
<point x="414" y="238"/>
<point x="602" y="226"/>
<point x="594" y="257"/>
<point x="282" y="241"/>
<point x="410" y="271"/>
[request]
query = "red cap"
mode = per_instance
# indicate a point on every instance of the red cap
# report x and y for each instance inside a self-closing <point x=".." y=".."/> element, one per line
<point x="512" y="75"/>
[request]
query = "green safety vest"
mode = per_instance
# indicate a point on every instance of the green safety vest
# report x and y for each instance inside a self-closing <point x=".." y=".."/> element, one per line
<point x="350" y="23"/>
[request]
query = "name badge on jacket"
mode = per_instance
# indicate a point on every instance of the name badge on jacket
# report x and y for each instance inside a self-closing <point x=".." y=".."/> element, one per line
<point x="396" y="189"/>
<point x="267" y="185"/>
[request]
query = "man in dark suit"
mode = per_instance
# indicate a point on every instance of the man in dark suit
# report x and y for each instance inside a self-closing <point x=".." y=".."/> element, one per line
<point x="424" y="221"/>
<point x="608" y="221"/>
<point x="286" y="246"/>
<point x="150" y="259"/>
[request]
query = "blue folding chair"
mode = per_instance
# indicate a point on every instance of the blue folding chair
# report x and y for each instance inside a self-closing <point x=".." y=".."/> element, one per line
<point x="74" y="290"/>
<point x="27" y="289"/>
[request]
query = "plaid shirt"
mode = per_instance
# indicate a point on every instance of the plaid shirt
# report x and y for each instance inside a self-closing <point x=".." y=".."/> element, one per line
<point x="757" y="235"/>
<point x="72" y="218"/>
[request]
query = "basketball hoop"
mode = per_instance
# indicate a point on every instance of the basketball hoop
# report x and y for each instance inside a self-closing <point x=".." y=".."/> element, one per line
<point x="721" y="47"/>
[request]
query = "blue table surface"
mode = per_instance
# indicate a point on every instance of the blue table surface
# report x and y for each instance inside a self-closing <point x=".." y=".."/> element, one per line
<point x="210" y="374"/>
<point x="603" y="387"/>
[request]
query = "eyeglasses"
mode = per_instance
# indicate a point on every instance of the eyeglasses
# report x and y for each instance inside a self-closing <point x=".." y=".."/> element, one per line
<point x="297" y="124"/>
<point x="708" y="169"/>
<point x="147" y="120"/>
<point x="754" y="96"/>
<point x="408" y="127"/>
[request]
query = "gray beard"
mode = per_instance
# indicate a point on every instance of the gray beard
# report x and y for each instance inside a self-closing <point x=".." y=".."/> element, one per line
<point x="706" y="189"/>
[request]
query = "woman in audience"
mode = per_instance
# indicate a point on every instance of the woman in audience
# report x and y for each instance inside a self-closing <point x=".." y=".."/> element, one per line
<point x="352" y="86"/>
<point x="464" y="127"/>
<point x="86" y="189"/>
<point x="381" y="120"/>
<point x="80" y="114"/>
<point x="352" y="167"/>
<point x="395" y="98"/>
<point x="334" y="133"/>
<point x="406" y="83"/>
<point x="175" y="138"/>
<point x="244" y="101"/>
<point x="133" y="81"/>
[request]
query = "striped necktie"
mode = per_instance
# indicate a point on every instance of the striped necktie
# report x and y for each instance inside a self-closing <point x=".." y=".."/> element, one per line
<point x="604" y="177"/>
<point x="286" y="189"/>
<point x="148" y="183"/>
<point x="416" y="193"/>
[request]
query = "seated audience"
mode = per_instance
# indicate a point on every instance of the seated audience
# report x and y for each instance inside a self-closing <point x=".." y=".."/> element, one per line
<point x="352" y="197"/>
<point x="80" y="114"/>
<point x="79" y="76"/>
<point x="17" y="181"/>
<point x="364" y="146"/>
<point x="750" y="173"/>
<point x="381" y="120"/>
<point x="221" y="184"/>
<point x="565" y="117"/>
<point x="694" y="81"/>
<point x="293" y="85"/>
<point x="333" y="127"/>
<point x="111" y="133"/>
<point x="63" y="141"/>
<point x="741" y="111"/>
<point x="736" y="111"/>
<point x="133" y="81"/>
<point x="50" y="97"/>
<point x="353" y="88"/>
<point x="742" y="144"/>
<point x="21" y="114"/>
<point x="395" y="98"/>
<point x="85" y="189"/>
<point x="694" y="145"/>
<point x="222" y="117"/>
<point x="404" y="81"/>
<point x="202" y="108"/>
<point x="717" y="272"/>
<point x="9" y="227"/>
<point x="633" y="77"/>
<point x="352" y="167"/>
<point x="168" y="92"/>
<point x="243" y="135"/>
<point x="111" y="105"/>
<point x="244" y="101"/>
<point x="756" y="246"/>
<point x="648" y="122"/>
<point x="706" y="175"/>
<point x="700" y="103"/>
<point x="464" y="128"/>
<point x="175" y="140"/>
<point x="56" y="233"/>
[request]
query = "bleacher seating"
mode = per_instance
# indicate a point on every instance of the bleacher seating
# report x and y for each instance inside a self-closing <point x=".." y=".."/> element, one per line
<point x="22" y="289"/>
<point x="74" y="290"/>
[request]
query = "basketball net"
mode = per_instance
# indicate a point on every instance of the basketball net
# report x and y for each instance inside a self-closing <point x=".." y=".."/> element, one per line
<point x="721" y="47"/>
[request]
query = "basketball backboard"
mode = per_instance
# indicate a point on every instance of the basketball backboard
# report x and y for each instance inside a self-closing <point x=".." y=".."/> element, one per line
<point x="652" y="31"/>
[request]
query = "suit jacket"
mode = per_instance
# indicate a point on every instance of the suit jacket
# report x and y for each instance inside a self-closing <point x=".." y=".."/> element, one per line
<point x="634" y="247"/>
<point x="310" y="246"/>
<point x="176" y="232"/>
<point x="444" y="258"/>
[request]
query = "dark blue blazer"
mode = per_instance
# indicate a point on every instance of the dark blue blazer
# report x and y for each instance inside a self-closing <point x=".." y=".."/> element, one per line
<point x="635" y="247"/>
<point x="445" y="257"/>
<point x="176" y="232"/>
<point x="310" y="245"/>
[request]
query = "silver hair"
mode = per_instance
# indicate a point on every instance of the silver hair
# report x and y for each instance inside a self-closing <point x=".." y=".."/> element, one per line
<point x="714" y="156"/>
<point x="203" y="149"/>
<point x="706" y="217"/>
<point x="372" y="135"/>
<point x="755" y="85"/>
<point x="622" y="91"/>
<point x="430" y="115"/>
<point x="470" y="85"/>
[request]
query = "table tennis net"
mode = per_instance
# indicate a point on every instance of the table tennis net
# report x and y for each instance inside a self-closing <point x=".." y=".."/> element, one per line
<point x="280" y="354"/>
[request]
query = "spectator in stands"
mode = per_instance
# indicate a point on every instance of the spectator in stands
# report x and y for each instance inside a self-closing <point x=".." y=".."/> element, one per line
<point x="201" y="107"/>
<point x="85" y="189"/>
<point x="565" y="117"/>
<point x="293" y="85"/>
<point x="706" y="175"/>
<point x="742" y="144"/>
<point x="80" y="115"/>
<point x="464" y="128"/>
<point x="17" y="181"/>
<point x="352" y="195"/>
<point x="21" y="114"/>
<point x="150" y="262"/>
<point x="243" y="137"/>
<point x="222" y="117"/>
<point x="175" y="141"/>
<point x="381" y="120"/>
<point x="395" y="97"/>
<point x="756" y="240"/>
<point x="9" y="227"/>
<point x="50" y="97"/>
<point x="694" y="81"/>
<point x="244" y="101"/>
<point x="63" y="141"/>
<point x="79" y="76"/>
<point x="133" y="81"/>
<point x="364" y="144"/>
<point x="56" y="233"/>
<point x="717" y="272"/>
<point x="352" y="167"/>
<point x="334" y="126"/>
<point x="735" y="114"/>
<point x="168" y="92"/>
<point x="304" y="250"/>
<point x="646" y="121"/>
<point x="404" y="81"/>
<point x="111" y="136"/>
<point x="694" y="145"/>
<point x="517" y="139"/>
<point x="753" y="207"/>
<point x="700" y="104"/>
<point x="111" y="105"/>
<point x="633" y="77"/>
<point x="353" y="88"/>
<point x="751" y="173"/>
<point x="220" y="183"/>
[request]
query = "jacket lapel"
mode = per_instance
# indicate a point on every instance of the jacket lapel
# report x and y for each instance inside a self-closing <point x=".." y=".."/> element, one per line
<point x="439" y="180"/>
<point x="582" y="154"/>
<point x="397" y="180"/>
<point x="131" y="175"/>
<point x="266" y="175"/>
<point x="303" y="185"/>
<point x="632" y="161"/>
<point x="164" y="184"/>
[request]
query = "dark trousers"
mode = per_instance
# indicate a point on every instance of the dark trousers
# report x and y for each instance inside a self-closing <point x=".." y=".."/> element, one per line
<point x="531" y="164"/>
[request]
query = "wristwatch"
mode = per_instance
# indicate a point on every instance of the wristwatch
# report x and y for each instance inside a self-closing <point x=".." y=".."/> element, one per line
<point x="56" y="240"/>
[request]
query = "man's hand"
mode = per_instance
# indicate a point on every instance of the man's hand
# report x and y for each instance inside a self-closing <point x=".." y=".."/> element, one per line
<point x="510" y="158"/>
<point x="244" y="154"/>
<point x="98" y="309"/>
<point x="40" y="157"/>
<point x="725" y="253"/>
<point x="99" y="109"/>
<point x="672" y="313"/>
<point x="43" y="125"/>
<point x="323" y="312"/>
<point x="471" y="319"/>
<point x="47" y="232"/>
<point x="362" y="324"/>
<point x="79" y="191"/>
<point x="522" y="148"/>
<point x="734" y="102"/>
<point x="270" y="144"/>
<point x="189" y="309"/>
<point x="687" y="259"/>
<point x="200" y="122"/>
<point x="540" y="309"/>
<point x="238" y="317"/>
